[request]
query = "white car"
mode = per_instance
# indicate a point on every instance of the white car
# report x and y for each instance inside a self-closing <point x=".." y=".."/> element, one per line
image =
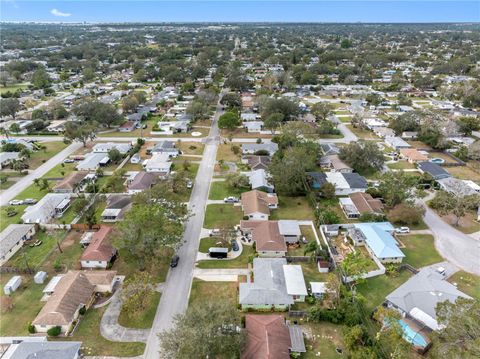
<point x="214" y="232"/>
<point x="230" y="199"/>
<point x="15" y="202"/>
<point x="402" y="230"/>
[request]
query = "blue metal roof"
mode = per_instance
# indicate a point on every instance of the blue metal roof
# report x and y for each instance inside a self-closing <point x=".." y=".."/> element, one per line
<point x="379" y="239"/>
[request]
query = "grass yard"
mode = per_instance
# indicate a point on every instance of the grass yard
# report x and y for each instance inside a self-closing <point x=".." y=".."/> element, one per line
<point x="239" y="262"/>
<point x="39" y="157"/>
<point x="219" y="190"/>
<point x="203" y="292"/>
<point x="190" y="148"/>
<point x="35" y="256"/>
<point x="34" y="191"/>
<point x="225" y="152"/>
<point x="93" y="344"/>
<point x="141" y="319"/>
<point x="207" y="242"/>
<point x="222" y="215"/>
<point x="6" y="185"/>
<point x="419" y="250"/>
<point x="311" y="273"/>
<point x="419" y="145"/>
<point x="467" y="283"/>
<point x="362" y="134"/>
<point x="69" y="257"/>
<point x="26" y="305"/>
<point x="468" y="172"/>
<point x="323" y="338"/>
<point x="292" y="208"/>
<point x="61" y="170"/>
<point x="375" y="289"/>
<point x="401" y="165"/>
<point x="13" y="88"/>
<point x="132" y="166"/>
<point x="6" y="221"/>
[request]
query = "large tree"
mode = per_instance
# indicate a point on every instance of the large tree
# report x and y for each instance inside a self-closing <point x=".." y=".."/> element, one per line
<point x="9" y="107"/>
<point x="96" y="111"/>
<point x="458" y="205"/>
<point x="229" y="120"/>
<point x="362" y="156"/>
<point x="288" y="108"/>
<point x="40" y="79"/>
<point x="396" y="187"/>
<point x="80" y="131"/>
<point x="206" y="330"/>
<point x="321" y="110"/>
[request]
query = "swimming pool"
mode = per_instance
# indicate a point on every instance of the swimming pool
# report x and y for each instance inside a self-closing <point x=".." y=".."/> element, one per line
<point x="411" y="336"/>
<point x="437" y="160"/>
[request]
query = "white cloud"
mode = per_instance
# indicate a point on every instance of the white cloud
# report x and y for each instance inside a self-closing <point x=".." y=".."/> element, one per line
<point x="56" y="12"/>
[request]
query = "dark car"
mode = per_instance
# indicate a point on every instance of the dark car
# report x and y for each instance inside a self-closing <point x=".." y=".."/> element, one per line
<point x="174" y="261"/>
<point x="234" y="245"/>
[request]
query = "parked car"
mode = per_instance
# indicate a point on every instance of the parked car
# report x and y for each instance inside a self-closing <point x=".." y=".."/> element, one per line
<point x="189" y="184"/>
<point x="68" y="160"/>
<point x="230" y="199"/>
<point x="402" y="230"/>
<point x="30" y="201"/>
<point x="214" y="232"/>
<point x="235" y="246"/>
<point x="174" y="261"/>
<point x="15" y="202"/>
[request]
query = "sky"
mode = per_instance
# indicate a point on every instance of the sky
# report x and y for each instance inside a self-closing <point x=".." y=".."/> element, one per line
<point x="241" y="11"/>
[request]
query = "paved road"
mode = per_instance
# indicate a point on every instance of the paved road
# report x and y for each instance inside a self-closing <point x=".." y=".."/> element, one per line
<point x="348" y="135"/>
<point x="26" y="181"/>
<point x="176" y="291"/>
<point x="458" y="248"/>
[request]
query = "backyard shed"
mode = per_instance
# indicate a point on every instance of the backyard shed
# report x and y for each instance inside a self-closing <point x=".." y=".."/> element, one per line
<point x="40" y="277"/>
<point x="12" y="285"/>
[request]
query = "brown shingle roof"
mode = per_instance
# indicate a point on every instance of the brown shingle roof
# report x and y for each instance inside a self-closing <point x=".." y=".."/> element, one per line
<point x="266" y="235"/>
<point x="365" y="203"/>
<point x="267" y="337"/>
<point x="257" y="201"/>
<point x="413" y="154"/>
<point x="143" y="180"/>
<point x="69" y="182"/>
<point x="99" y="248"/>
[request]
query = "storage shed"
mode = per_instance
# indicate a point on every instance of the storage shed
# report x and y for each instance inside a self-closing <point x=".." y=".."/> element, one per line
<point x="40" y="277"/>
<point x="12" y="285"/>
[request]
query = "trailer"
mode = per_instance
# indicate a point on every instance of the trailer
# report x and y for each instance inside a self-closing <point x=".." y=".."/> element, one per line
<point x="218" y="252"/>
<point x="12" y="285"/>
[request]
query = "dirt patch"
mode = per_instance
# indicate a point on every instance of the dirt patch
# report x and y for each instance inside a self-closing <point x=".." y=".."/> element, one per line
<point x="71" y="238"/>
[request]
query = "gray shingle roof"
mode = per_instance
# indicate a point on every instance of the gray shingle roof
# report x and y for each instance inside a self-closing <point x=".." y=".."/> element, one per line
<point x="433" y="170"/>
<point x="46" y="350"/>
<point x="11" y="235"/>
<point x="355" y="180"/>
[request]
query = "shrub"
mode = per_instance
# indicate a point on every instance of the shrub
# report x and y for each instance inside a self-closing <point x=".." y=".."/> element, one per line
<point x="82" y="310"/>
<point x="31" y="328"/>
<point x="55" y="331"/>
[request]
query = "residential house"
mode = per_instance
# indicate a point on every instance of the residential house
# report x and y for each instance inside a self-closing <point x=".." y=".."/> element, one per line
<point x="259" y="179"/>
<point x="345" y="183"/>
<point x="256" y="205"/>
<point x="123" y="148"/>
<point x="270" y="337"/>
<point x="135" y="158"/>
<point x="8" y="157"/>
<point x="413" y="155"/>
<point x="434" y="170"/>
<point x="249" y="116"/>
<point x="396" y="142"/>
<point x="384" y="132"/>
<point x="75" y="290"/>
<point x="378" y="240"/>
<point x="275" y="286"/>
<point x="38" y="348"/>
<point x="116" y="207"/>
<point x="458" y="187"/>
<point x="419" y="296"/>
<point x="72" y="183"/>
<point x="359" y="203"/>
<point x="253" y="148"/>
<point x="99" y="253"/>
<point x="51" y="205"/>
<point x="141" y="182"/>
<point x="335" y="164"/>
<point x="93" y="161"/>
<point x="329" y="149"/>
<point x="409" y="135"/>
<point x="12" y="239"/>
<point x="167" y="147"/>
<point x="253" y="126"/>
<point x="128" y="126"/>
<point x="159" y="163"/>
<point x="256" y="162"/>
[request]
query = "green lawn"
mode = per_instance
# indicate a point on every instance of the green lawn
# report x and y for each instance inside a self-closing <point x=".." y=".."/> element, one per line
<point x="35" y="256"/>
<point x="190" y="148"/>
<point x="206" y="243"/>
<point x="467" y="283"/>
<point x="401" y="165"/>
<point x="6" y="221"/>
<point x="239" y="262"/>
<point x="93" y="344"/>
<point x="293" y="208"/>
<point x="142" y="319"/>
<point x="26" y="305"/>
<point x="222" y="215"/>
<point x="220" y="190"/>
<point x="13" y="88"/>
<point x="325" y="339"/>
<point x="375" y="289"/>
<point x="69" y="258"/>
<point x="202" y="292"/>
<point x="56" y="172"/>
<point x="6" y="185"/>
<point x="311" y="273"/>
<point x="33" y="191"/>
<point x="419" y="250"/>
<point x="37" y="158"/>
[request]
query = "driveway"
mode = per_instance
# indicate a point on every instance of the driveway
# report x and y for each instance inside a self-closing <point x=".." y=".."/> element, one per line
<point x="176" y="290"/>
<point x="220" y="275"/>
<point x="111" y="330"/>
<point x="458" y="248"/>
<point x="26" y="181"/>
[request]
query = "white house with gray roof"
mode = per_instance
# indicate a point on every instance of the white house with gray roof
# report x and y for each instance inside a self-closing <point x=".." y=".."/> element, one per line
<point x="7" y="157"/>
<point x="123" y="148"/>
<point x="418" y="297"/>
<point x="39" y="348"/>
<point x="259" y="180"/>
<point x="47" y="208"/>
<point x="252" y="148"/>
<point x="12" y="239"/>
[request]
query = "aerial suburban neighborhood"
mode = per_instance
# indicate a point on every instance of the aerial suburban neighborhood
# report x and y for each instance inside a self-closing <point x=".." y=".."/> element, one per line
<point x="239" y="190"/>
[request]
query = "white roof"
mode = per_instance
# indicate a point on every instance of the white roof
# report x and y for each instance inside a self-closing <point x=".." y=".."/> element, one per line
<point x="43" y="211"/>
<point x="294" y="280"/>
<point x="337" y="179"/>
<point x="6" y="156"/>
<point x="289" y="228"/>
<point x="109" y="212"/>
<point x="319" y="287"/>
<point x="423" y="317"/>
<point x="50" y="288"/>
